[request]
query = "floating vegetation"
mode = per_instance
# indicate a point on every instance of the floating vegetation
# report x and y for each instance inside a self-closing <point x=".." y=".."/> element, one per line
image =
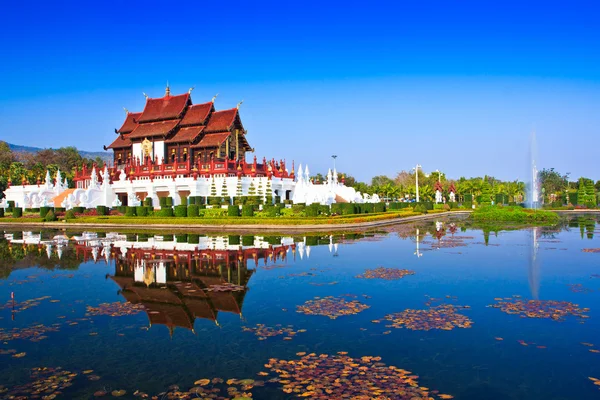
<point x="595" y="380"/>
<point x="389" y="274"/>
<point x="23" y="305"/>
<point x="225" y="287"/>
<point x="7" y="351"/>
<point x="339" y="376"/>
<point x="216" y="388"/>
<point x="579" y="288"/>
<point x="33" y="333"/>
<point x="324" y="284"/>
<point x="116" y="309"/>
<point x="596" y="250"/>
<point x="550" y="309"/>
<point x="443" y="316"/>
<point x="524" y="343"/>
<point x="263" y="332"/>
<point x="331" y="307"/>
<point x="46" y="383"/>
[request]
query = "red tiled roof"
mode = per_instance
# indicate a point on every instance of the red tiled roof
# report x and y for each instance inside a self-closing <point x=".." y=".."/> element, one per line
<point x="197" y="114"/>
<point x="212" y="140"/>
<point x="167" y="107"/>
<point x="221" y="120"/>
<point x="119" y="142"/>
<point x="186" y="135"/>
<point x="129" y="124"/>
<point x="153" y="129"/>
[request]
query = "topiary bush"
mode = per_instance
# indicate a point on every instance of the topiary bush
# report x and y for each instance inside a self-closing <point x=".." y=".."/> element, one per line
<point x="270" y="211"/>
<point x="17" y="212"/>
<point x="50" y="216"/>
<point x="130" y="211"/>
<point x="180" y="211"/>
<point x="1" y="212"/>
<point x="247" y="210"/>
<point x="214" y="200"/>
<point x="78" y="210"/>
<point x="234" y="240"/>
<point x="420" y="208"/>
<point x="182" y="238"/>
<point x="44" y="211"/>
<point x="468" y="204"/>
<point x="193" y="238"/>
<point x="247" y="240"/>
<point x="69" y="214"/>
<point x="148" y="202"/>
<point x="162" y="202"/>
<point x="192" y="210"/>
<point x="141" y="211"/>
<point x="233" y="211"/>
<point x="312" y="210"/>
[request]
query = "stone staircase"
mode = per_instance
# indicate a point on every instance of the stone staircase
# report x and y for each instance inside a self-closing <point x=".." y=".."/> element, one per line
<point x="60" y="198"/>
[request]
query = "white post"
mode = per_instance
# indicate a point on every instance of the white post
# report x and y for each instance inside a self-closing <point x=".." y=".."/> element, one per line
<point x="416" y="168"/>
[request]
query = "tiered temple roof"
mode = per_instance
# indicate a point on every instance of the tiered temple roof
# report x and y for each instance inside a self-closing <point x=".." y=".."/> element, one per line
<point x="176" y="120"/>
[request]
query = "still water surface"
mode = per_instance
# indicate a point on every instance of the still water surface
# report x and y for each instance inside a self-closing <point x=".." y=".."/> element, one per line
<point x="194" y="302"/>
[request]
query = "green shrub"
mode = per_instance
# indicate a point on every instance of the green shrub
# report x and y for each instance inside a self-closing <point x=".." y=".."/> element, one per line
<point x="273" y="240"/>
<point x="143" y="237"/>
<point x="130" y="212"/>
<point x="184" y="200"/>
<point x="70" y="215"/>
<point x="141" y="211"/>
<point x="312" y="240"/>
<point x="168" y="238"/>
<point x="50" y="216"/>
<point x="233" y="211"/>
<point x="148" y="202"/>
<point x="182" y="238"/>
<point x="131" y="237"/>
<point x="247" y="210"/>
<point x="312" y="210"/>
<point x="270" y="211"/>
<point x="200" y="200"/>
<point x="102" y="210"/>
<point x="162" y="202"/>
<point x="298" y="208"/>
<point x="169" y="202"/>
<point x="193" y="238"/>
<point x="17" y="212"/>
<point x="573" y="198"/>
<point x="438" y="206"/>
<point x="453" y="205"/>
<point x="247" y="240"/>
<point x="59" y="209"/>
<point x="78" y="210"/>
<point x="379" y="207"/>
<point x="192" y="210"/>
<point x="44" y="211"/>
<point x="1" y="212"/>
<point x="234" y="240"/>
<point x="180" y="211"/>
<point x="590" y="204"/>
<point x="513" y="214"/>
<point x="191" y="200"/>
<point x="11" y="204"/>
<point x="165" y="212"/>
<point x="468" y="198"/>
<point x="420" y="208"/>
<point x="467" y="204"/>
<point x="214" y="200"/>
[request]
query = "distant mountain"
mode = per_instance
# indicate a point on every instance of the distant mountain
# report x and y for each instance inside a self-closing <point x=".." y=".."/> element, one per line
<point x="106" y="156"/>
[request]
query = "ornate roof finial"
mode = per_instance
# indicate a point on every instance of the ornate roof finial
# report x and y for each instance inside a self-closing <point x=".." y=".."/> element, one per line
<point x="191" y="89"/>
<point x="167" y="90"/>
<point x="126" y="110"/>
<point x="214" y="97"/>
<point x="145" y="95"/>
<point x="239" y="104"/>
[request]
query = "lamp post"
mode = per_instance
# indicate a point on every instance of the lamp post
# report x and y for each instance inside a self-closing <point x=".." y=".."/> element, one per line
<point x="334" y="157"/>
<point x="439" y="175"/>
<point x="416" y="169"/>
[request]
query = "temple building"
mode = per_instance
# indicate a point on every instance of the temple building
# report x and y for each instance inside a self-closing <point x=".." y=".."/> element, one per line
<point x="174" y="148"/>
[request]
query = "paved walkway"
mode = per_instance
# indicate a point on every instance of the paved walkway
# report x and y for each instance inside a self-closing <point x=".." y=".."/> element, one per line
<point x="236" y="228"/>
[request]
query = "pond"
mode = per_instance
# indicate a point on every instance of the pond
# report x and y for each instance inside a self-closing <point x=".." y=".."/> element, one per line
<point x="459" y="311"/>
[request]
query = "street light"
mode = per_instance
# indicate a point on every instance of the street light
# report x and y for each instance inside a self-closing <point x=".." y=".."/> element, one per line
<point x="439" y="175"/>
<point x="334" y="157"/>
<point x="416" y="169"/>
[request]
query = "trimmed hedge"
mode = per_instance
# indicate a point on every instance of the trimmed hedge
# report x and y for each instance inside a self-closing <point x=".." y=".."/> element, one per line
<point x="467" y="204"/>
<point x="193" y="238"/>
<point x="234" y="239"/>
<point x="17" y="212"/>
<point x="141" y="211"/>
<point x="182" y="238"/>
<point x="122" y="209"/>
<point x="70" y="215"/>
<point x="79" y="210"/>
<point x="11" y="204"/>
<point x="233" y="211"/>
<point x="379" y="207"/>
<point x="162" y="202"/>
<point x="468" y="198"/>
<point x="271" y="211"/>
<point x="312" y="240"/>
<point x="165" y="212"/>
<point x="420" y="208"/>
<point x="168" y="238"/>
<point x="312" y="210"/>
<point x="148" y="202"/>
<point x="1" y="212"/>
<point x="573" y="198"/>
<point x="192" y="210"/>
<point x="180" y="211"/>
<point x="214" y="200"/>
<point x="44" y="211"/>
<point x="59" y="209"/>
<point x="169" y="202"/>
<point x="130" y="212"/>
<point x="247" y="210"/>
<point x="102" y="210"/>
<point x="398" y="205"/>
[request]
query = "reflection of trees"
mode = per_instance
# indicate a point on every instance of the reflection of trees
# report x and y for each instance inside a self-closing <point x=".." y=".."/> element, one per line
<point x="18" y="256"/>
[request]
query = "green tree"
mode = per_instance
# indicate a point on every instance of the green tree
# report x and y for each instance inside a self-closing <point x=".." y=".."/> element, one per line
<point x="486" y="193"/>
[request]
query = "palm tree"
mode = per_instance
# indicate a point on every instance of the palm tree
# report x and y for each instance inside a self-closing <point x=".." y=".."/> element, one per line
<point x="426" y="193"/>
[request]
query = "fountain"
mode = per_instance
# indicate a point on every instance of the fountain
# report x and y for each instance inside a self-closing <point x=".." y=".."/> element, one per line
<point x="534" y="264"/>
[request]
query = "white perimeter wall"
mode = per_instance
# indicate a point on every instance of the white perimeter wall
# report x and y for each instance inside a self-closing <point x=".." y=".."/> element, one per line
<point x="159" y="151"/>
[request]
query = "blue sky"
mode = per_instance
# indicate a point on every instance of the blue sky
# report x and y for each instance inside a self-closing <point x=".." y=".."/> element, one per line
<point x="455" y="86"/>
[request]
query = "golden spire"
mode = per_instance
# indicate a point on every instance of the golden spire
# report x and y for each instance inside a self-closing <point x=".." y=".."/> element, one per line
<point x="145" y="95"/>
<point x="167" y="90"/>
<point x="126" y="110"/>
<point x="214" y="97"/>
<point x="239" y="104"/>
<point x="191" y="89"/>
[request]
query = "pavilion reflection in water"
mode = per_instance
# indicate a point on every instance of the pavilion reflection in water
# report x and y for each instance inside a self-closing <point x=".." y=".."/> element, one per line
<point x="178" y="282"/>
